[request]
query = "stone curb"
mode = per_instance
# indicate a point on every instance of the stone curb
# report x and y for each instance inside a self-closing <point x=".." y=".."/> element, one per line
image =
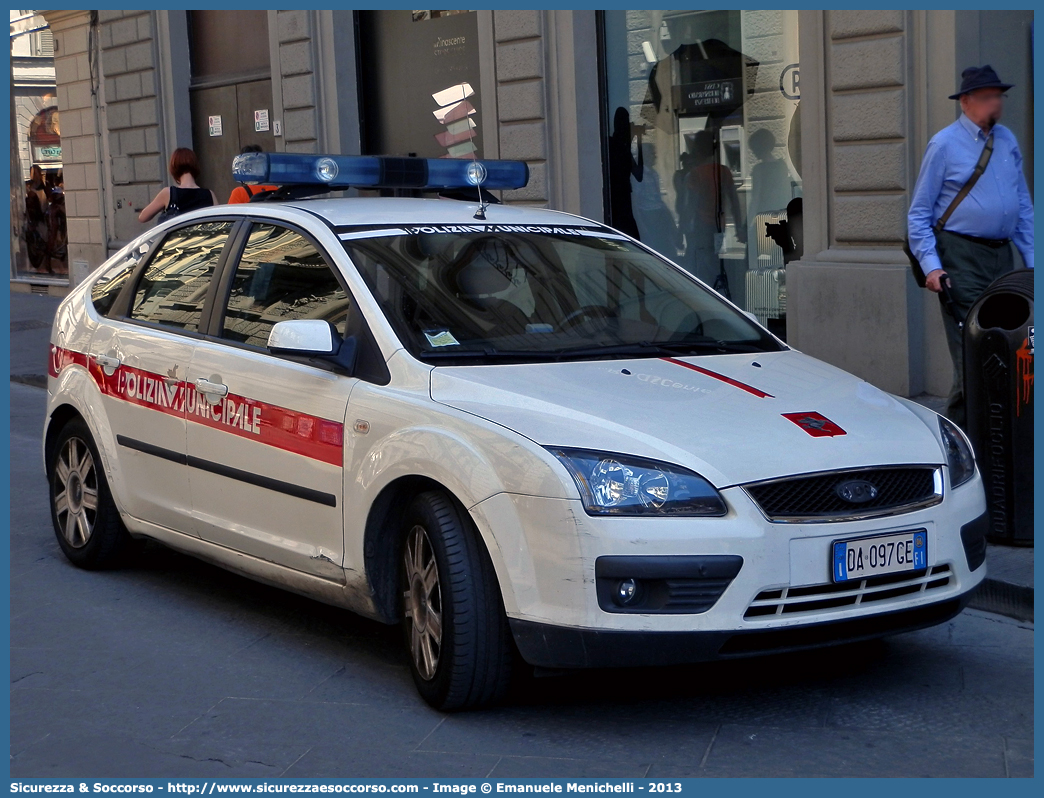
<point x="1004" y="598"/>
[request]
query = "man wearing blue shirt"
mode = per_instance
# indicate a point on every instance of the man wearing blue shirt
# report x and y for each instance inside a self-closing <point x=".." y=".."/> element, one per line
<point x="974" y="248"/>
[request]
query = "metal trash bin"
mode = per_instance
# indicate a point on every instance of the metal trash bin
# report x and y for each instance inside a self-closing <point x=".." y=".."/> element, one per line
<point x="998" y="392"/>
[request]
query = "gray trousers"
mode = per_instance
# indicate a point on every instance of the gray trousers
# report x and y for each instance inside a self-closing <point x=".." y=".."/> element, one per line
<point x="971" y="267"/>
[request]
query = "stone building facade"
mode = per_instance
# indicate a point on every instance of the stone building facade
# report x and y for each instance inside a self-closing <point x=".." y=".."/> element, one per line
<point x="873" y="89"/>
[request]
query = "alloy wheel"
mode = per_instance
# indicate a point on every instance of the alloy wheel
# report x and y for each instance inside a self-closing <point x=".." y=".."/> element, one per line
<point x="76" y="492"/>
<point x="423" y="602"/>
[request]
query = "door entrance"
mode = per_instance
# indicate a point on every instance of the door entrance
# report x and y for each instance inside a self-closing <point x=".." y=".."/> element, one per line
<point x="223" y="122"/>
<point x="231" y="83"/>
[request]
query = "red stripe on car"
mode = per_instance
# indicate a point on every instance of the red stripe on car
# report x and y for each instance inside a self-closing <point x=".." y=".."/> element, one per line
<point x="721" y="377"/>
<point x="300" y="433"/>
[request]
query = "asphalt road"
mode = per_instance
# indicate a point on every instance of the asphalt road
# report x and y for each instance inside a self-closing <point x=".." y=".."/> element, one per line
<point x="174" y="668"/>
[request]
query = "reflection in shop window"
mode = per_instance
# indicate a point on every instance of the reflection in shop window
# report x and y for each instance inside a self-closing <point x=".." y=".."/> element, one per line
<point x="420" y="16"/>
<point x="703" y="162"/>
<point x="421" y="87"/>
<point x="39" y="246"/>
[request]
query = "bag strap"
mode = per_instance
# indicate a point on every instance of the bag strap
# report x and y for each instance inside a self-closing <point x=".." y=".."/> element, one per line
<point x="980" y="167"/>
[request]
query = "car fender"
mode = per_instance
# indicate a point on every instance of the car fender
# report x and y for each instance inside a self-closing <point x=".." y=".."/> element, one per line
<point x="471" y="458"/>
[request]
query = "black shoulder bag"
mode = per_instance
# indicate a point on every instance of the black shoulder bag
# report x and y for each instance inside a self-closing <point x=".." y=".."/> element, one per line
<point x="172" y="209"/>
<point x="980" y="167"/>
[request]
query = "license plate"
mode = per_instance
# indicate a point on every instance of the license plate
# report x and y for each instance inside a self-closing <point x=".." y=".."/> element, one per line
<point x="881" y="554"/>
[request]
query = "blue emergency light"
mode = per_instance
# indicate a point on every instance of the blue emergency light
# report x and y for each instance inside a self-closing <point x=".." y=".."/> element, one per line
<point x="344" y="171"/>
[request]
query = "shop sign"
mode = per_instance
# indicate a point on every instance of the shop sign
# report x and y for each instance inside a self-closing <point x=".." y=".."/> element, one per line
<point x="790" y="82"/>
<point x="708" y="94"/>
<point x="47" y="153"/>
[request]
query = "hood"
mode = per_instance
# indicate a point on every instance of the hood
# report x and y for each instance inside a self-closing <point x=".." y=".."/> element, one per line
<point x="731" y="418"/>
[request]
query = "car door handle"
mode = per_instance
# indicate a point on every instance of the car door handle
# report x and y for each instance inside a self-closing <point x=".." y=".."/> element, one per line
<point x="216" y="388"/>
<point x="107" y="361"/>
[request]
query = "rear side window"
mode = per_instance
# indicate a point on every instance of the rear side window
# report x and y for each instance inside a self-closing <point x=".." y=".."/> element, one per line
<point x="281" y="276"/>
<point x="107" y="287"/>
<point x="175" y="283"/>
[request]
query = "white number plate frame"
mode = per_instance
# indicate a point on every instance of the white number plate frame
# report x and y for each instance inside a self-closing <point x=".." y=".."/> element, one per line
<point x="877" y="555"/>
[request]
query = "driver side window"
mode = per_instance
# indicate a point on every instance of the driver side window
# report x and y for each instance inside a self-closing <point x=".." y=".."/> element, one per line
<point x="281" y="276"/>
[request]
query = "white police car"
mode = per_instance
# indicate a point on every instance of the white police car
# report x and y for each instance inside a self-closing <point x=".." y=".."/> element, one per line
<point x="516" y="431"/>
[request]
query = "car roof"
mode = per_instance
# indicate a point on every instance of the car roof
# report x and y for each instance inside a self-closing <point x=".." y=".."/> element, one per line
<point x="410" y="211"/>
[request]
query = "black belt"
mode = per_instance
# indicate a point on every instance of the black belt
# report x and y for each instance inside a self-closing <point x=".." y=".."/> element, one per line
<point x="995" y="243"/>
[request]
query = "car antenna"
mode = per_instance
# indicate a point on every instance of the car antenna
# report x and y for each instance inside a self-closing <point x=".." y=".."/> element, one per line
<point x="480" y="214"/>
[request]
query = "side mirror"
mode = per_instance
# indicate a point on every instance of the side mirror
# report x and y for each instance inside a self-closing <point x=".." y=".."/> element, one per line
<point x="303" y="337"/>
<point x="746" y="313"/>
<point x="314" y="338"/>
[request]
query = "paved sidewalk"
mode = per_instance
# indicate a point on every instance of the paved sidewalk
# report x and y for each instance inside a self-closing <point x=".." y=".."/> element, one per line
<point x="31" y="317"/>
<point x="1008" y="590"/>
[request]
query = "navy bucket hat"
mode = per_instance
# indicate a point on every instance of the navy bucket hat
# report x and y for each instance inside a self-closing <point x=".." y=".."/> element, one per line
<point x="980" y="78"/>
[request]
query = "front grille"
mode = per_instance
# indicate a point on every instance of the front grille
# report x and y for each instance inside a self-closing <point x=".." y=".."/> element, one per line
<point x="819" y="598"/>
<point x="815" y="497"/>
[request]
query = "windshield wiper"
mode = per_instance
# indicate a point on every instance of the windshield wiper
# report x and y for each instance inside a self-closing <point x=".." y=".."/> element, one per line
<point x="447" y="354"/>
<point x="638" y="348"/>
<point x="647" y="348"/>
<point x="724" y="347"/>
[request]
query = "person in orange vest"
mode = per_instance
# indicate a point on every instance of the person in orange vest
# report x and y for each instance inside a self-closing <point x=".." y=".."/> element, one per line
<point x="243" y="192"/>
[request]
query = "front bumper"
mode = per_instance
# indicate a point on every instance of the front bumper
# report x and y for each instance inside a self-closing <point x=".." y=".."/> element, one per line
<point x="550" y="558"/>
<point x="548" y="646"/>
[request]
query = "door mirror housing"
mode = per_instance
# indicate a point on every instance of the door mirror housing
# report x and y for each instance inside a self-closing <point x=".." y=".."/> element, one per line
<point x="314" y="338"/>
<point x="303" y="337"/>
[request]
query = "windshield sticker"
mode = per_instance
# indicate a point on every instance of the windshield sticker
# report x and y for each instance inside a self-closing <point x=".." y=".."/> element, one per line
<point x="378" y="233"/>
<point x="349" y="232"/>
<point x="539" y="329"/>
<point x="493" y="228"/>
<point x="441" y="338"/>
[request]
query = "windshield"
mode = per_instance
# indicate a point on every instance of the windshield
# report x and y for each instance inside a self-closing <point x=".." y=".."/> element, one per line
<point x="493" y="294"/>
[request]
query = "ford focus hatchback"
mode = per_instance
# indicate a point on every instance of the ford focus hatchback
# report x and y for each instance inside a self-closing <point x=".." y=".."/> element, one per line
<point x="520" y="434"/>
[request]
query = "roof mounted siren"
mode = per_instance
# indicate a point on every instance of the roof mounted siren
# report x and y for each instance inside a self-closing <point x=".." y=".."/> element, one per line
<point x="301" y="176"/>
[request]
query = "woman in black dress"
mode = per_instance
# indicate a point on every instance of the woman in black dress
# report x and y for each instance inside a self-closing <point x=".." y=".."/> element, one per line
<point x="186" y="195"/>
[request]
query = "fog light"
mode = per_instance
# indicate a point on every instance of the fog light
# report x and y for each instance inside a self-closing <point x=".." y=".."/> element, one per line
<point x="626" y="592"/>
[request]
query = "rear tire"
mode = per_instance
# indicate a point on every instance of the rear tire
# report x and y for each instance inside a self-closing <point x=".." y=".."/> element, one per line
<point x="455" y="630"/>
<point x="86" y="521"/>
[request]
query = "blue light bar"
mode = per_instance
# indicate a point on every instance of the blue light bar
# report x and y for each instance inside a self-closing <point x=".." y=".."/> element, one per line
<point x="343" y="171"/>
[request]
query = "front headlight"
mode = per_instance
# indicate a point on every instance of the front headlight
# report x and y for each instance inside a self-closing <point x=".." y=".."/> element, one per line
<point x="618" y="484"/>
<point x="958" y="453"/>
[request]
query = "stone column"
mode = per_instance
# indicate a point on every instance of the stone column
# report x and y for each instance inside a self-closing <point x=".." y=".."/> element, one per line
<point x="135" y="160"/>
<point x="851" y="298"/>
<point x="521" y="104"/>
<point x="77" y="82"/>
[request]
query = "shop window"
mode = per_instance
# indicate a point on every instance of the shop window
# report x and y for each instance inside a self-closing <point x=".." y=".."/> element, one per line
<point x="39" y="248"/>
<point x="703" y="157"/>
<point x="420" y="87"/>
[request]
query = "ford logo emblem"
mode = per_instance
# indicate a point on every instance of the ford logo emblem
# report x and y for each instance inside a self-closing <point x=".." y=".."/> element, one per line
<point x="857" y="491"/>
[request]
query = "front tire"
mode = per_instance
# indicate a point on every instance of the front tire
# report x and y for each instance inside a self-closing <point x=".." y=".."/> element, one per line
<point x="86" y="521"/>
<point x="455" y="629"/>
